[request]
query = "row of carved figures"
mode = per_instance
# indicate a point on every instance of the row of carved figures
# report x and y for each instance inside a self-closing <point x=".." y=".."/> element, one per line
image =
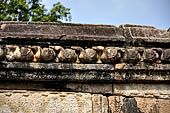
<point x="74" y="54"/>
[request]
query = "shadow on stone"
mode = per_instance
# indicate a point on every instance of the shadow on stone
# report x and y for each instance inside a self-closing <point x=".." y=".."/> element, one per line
<point x="130" y="106"/>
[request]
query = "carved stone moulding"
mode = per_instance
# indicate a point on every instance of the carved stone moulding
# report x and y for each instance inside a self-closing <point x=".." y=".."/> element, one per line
<point x="77" y="54"/>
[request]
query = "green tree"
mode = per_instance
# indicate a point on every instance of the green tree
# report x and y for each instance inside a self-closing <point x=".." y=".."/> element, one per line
<point x="32" y="10"/>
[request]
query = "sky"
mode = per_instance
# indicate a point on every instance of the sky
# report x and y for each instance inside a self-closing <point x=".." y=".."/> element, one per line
<point x="115" y="12"/>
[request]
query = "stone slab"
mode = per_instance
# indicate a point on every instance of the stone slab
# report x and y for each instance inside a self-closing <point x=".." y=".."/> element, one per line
<point x="142" y="90"/>
<point x="142" y="66"/>
<point x="60" y="76"/>
<point x="56" y="66"/>
<point x="44" y="102"/>
<point x="100" y="103"/>
<point x="142" y="76"/>
<point x="59" y="28"/>
<point x="120" y="104"/>
<point x="101" y="88"/>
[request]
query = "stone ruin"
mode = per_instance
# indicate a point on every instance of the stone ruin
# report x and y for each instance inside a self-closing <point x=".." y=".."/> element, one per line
<point x="77" y="68"/>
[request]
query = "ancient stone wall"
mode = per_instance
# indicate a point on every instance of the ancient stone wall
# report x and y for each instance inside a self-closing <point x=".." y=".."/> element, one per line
<point x="77" y="68"/>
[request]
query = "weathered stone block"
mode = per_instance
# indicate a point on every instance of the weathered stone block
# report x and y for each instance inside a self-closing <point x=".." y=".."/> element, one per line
<point x="150" y="56"/>
<point x="90" y="88"/>
<point x="110" y="55"/>
<point x="144" y="90"/>
<point x="23" y="54"/>
<point x="119" y="104"/>
<point x="142" y="66"/>
<point x="60" y="76"/>
<point x="100" y="103"/>
<point x="60" y="28"/>
<point x="59" y="66"/>
<point x="146" y="31"/>
<point x="67" y="55"/>
<point x="10" y="49"/>
<point x="58" y="86"/>
<point x="88" y="56"/>
<point x="44" y="102"/>
<point x="131" y="55"/>
<point x="165" y="55"/>
<point x="48" y="54"/>
<point x="142" y="76"/>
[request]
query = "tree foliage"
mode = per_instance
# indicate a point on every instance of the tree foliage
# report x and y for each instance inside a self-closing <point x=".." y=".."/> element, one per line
<point x="32" y="10"/>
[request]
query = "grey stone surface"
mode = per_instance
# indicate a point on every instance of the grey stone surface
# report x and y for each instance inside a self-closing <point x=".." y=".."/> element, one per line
<point x="57" y="66"/>
<point x="142" y="66"/>
<point x="22" y="101"/>
<point x="142" y="76"/>
<point x="142" y="90"/>
<point x="120" y="104"/>
<point x="45" y="102"/>
<point x="100" y="103"/>
<point x="90" y="88"/>
<point x="58" y="86"/>
<point x="62" y="76"/>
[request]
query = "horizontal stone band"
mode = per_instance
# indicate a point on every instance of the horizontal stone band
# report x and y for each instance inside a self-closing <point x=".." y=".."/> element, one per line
<point x="56" y="66"/>
<point x="83" y="67"/>
<point x="77" y="54"/>
<point x="155" y="67"/>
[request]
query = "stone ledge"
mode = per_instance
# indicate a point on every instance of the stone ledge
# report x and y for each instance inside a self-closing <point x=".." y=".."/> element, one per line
<point x="84" y="67"/>
<point x="85" y="73"/>
<point x="139" y="35"/>
<point x="151" y="42"/>
<point x="58" y="76"/>
<point x="51" y="39"/>
<point x="143" y="66"/>
<point x="143" y="90"/>
<point x="138" y="76"/>
<point x="94" y="88"/>
<point x="57" y="66"/>
<point x="60" y="29"/>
